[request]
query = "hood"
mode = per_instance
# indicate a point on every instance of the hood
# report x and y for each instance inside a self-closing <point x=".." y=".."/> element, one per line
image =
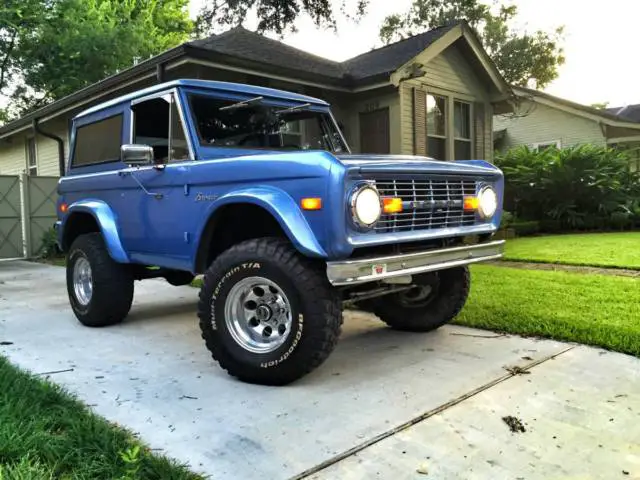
<point x="373" y="163"/>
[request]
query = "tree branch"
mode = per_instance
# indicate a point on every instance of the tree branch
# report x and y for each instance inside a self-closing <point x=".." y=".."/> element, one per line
<point x="5" y="61"/>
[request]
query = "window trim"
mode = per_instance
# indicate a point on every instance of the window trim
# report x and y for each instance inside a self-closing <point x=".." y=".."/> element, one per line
<point x="446" y="116"/>
<point x="73" y="163"/>
<point x="175" y="97"/>
<point x="450" y="139"/>
<point x="536" y="146"/>
<point x="30" y="167"/>
<point x="470" y="139"/>
<point x="444" y="137"/>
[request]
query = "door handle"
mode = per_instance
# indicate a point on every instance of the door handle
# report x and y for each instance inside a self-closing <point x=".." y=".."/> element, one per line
<point x="157" y="196"/>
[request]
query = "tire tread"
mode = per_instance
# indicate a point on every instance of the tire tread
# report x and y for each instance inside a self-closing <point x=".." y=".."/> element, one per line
<point x="308" y="277"/>
<point x="112" y="283"/>
<point x="452" y="300"/>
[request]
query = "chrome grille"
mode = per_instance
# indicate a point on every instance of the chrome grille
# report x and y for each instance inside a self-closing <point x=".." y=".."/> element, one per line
<point x="427" y="203"/>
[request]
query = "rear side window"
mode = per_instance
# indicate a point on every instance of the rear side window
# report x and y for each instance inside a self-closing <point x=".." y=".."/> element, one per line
<point x="98" y="142"/>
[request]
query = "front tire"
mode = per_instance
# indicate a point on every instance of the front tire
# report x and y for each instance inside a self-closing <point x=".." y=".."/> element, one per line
<point x="268" y="315"/>
<point x="436" y="300"/>
<point x="178" y="278"/>
<point x="100" y="290"/>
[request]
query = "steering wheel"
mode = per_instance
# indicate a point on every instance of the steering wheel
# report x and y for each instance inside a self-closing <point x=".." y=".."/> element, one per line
<point x="249" y="137"/>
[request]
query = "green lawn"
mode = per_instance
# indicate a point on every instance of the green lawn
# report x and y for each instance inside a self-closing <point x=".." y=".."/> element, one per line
<point x="592" y="309"/>
<point x="47" y="434"/>
<point x="618" y="250"/>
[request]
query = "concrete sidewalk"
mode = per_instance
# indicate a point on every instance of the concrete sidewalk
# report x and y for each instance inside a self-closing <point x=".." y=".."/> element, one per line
<point x="385" y="405"/>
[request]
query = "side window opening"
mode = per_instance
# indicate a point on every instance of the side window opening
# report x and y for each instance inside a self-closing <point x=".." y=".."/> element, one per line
<point x="98" y="142"/>
<point x="157" y="123"/>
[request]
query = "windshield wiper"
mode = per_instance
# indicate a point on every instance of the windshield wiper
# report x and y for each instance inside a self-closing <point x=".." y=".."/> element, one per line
<point x="293" y="109"/>
<point x="242" y="104"/>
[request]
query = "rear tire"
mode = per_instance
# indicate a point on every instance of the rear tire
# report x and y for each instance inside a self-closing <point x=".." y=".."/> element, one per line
<point x="267" y="314"/>
<point x="100" y="290"/>
<point x="406" y="311"/>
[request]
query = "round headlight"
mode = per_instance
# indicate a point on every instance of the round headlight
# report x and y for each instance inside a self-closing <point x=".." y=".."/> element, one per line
<point x="488" y="202"/>
<point x="365" y="206"/>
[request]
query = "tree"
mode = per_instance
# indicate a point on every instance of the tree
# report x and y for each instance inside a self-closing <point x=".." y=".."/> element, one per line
<point x="274" y="15"/>
<point x="17" y="19"/>
<point x="599" y="105"/>
<point x="521" y="58"/>
<point x="69" y="44"/>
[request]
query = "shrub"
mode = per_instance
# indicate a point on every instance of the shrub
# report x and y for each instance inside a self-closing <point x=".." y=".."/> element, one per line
<point x="595" y="222"/>
<point x="49" y="247"/>
<point x="506" y="220"/>
<point x="522" y="229"/>
<point x="550" y="226"/>
<point x="620" y="220"/>
<point x="576" y="187"/>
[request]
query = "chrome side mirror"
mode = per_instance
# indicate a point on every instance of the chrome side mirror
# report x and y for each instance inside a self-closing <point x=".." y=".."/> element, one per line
<point x="136" y="155"/>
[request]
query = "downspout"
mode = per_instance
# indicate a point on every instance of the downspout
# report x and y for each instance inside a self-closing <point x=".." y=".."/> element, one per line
<point x="36" y="129"/>
<point x="160" y="73"/>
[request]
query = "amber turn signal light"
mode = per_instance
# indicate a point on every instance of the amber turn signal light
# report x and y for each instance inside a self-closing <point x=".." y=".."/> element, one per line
<point x="471" y="203"/>
<point x="392" y="205"/>
<point x="64" y="207"/>
<point x="311" y="203"/>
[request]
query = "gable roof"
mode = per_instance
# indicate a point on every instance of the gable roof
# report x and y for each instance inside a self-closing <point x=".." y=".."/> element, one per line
<point x="605" y="115"/>
<point x="628" y="112"/>
<point x="389" y="58"/>
<point x="242" y="43"/>
<point x="241" y="48"/>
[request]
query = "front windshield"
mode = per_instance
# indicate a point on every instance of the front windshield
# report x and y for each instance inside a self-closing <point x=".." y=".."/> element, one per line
<point x="254" y="125"/>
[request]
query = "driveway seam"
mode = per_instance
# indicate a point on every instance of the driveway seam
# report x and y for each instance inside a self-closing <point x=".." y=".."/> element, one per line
<point x="430" y="413"/>
<point x="563" y="267"/>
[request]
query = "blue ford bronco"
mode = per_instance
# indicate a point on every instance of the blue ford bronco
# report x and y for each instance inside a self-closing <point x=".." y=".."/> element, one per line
<point x="256" y="190"/>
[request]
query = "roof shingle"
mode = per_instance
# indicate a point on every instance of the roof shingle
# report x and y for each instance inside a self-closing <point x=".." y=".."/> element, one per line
<point x="239" y="42"/>
<point x="628" y="112"/>
<point x="242" y="43"/>
<point x="390" y="57"/>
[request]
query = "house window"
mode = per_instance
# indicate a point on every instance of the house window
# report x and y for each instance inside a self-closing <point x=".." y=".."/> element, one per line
<point x="437" y="127"/>
<point x="541" y="146"/>
<point x="32" y="161"/>
<point x="462" y="130"/>
<point x="449" y="128"/>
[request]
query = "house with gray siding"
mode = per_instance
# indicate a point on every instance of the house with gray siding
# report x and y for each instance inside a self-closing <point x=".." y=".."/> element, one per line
<point x="432" y="94"/>
<point x="540" y="120"/>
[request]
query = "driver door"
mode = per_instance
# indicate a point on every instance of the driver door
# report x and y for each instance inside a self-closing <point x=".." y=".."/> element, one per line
<point x="156" y="221"/>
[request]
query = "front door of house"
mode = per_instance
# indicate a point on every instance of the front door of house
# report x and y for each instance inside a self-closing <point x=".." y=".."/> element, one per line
<point x="374" y="131"/>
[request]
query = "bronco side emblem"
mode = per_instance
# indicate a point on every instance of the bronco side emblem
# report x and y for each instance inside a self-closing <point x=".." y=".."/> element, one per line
<point x="203" y="197"/>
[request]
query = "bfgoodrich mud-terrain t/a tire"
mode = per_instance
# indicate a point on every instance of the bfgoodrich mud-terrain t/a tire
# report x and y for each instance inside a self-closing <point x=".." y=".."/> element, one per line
<point x="100" y="290"/>
<point x="436" y="300"/>
<point x="268" y="315"/>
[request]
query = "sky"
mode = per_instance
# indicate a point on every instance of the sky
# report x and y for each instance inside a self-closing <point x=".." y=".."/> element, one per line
<point x="600" y="39"/>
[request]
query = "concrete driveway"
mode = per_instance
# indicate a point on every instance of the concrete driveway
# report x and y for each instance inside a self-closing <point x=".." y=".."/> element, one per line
<point x="385" y="405"/>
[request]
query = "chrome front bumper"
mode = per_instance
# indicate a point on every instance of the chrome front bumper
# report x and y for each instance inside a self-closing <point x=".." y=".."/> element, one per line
<point x="351" y="272"/>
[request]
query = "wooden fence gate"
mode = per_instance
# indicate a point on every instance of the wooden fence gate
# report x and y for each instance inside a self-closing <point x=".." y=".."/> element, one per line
<point x="11" y="245"/>
<point x="27" y="212"/>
